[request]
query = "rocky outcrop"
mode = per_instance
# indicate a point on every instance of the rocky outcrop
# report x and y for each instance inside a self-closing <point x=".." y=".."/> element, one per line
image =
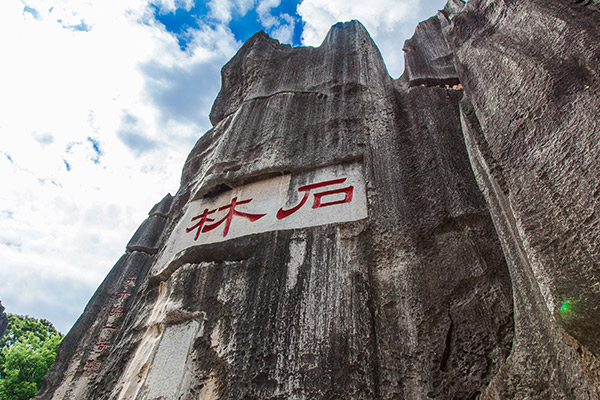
<point x="98" y="344"/>
<point x="340" y="234"/>
<point x="532" y="134"/>
<point x="427" y="56"/>
<point x="3" y="321"/>
<point x="147" y="238"/>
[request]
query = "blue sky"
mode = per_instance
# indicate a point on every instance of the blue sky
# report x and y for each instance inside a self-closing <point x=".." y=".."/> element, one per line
<point x="101" y="102"/>
<point x="243" y="25"/>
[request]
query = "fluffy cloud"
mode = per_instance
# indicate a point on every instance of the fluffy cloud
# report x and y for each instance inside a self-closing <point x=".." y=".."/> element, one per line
<point x="382" y="16"/>
<point x="223" y="11"/>
<point x="99" y="108"/>
<point x="90" y="92"/>
<point x="280" y="25"/>
<point x="389" y="22"/>
<point x="167" y="6"/>
<point x="264" y="12"/>
<point x="284" y="30"/>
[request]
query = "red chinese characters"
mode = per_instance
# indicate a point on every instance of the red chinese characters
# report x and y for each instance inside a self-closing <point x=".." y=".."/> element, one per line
<point x="92" y="365"/>
<point x="202" y="225"/>
<point x="101" y="345"/>
<point x="129" y="282"/>
<point x="206" y="222"/>
<point x="116" y="310"/>
<point x="317" y="203"/>
<point x="122" y="296"/>
<point x="113" y="328"/>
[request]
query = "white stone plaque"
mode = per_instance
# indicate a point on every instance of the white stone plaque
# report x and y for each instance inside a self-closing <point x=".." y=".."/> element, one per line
<point x="328" y="195"/>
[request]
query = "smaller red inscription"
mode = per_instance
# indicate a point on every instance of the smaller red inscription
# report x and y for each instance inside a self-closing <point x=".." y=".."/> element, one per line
<point x="110" y="327"/>
<point x="116" y="310"/>
<point x="101" y="345"/>
<point x="92" y="366"/>
<point x="122" y="296"/>
<point x="129" y="282"/>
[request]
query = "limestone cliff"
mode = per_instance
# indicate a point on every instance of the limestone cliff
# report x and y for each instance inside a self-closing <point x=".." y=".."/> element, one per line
<point x="530" y="75"/>
<point x="340" y="234"/>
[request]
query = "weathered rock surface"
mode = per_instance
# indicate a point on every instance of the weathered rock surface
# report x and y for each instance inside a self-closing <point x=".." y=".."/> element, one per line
<point x="340" y="234"/>
<point x="531" y="128"/>
<point x="147" y="237"/>
<point x="3" y="320"/>
<point x="428" y="59"/>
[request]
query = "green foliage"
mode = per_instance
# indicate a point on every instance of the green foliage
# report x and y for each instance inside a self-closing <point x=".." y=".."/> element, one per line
<point x="28" y="350"/>
<point x="18" y="326"/>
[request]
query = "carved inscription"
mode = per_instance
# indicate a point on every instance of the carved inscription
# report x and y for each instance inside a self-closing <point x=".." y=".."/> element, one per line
<point x="328" y="195"/>
<point x="348" y="191"/>
<point x="103" y="343"/>
<point x="202" y="223"/>
<point x="201" y="227"/>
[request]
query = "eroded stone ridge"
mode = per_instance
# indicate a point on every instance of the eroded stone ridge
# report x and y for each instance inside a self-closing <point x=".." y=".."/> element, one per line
<point x="340" y="234"/>
<point x="532" y="139"/>
<point x="147" y="237"/>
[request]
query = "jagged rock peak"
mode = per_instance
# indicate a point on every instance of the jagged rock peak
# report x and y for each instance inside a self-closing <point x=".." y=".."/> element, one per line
<point x="162" y="207"/>
<point x="428" y="59"/>
<point x="353" y="30"/>
<point x="264" y="67"/>
<point x="146" y="238"/>
<point x="453" y="6"/>
<point x="260" y="38"/>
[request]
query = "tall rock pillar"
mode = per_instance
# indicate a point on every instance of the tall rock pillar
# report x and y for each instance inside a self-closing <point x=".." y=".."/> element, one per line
<point x="530" y="72"/>
<point x="342" y="235"/>
<point x="328" y="241"/>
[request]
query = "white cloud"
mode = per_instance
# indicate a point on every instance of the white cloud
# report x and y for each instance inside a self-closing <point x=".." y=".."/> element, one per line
<point x="221" y="10"/>
<point x="379" y="16"/>
<point x="281" y="26"/>
<point x="225" y="10"/>
<point x="389" y="22"/>
<point x="167" y="6"/>
<point x="284" y="32"/>
<point x="83" y="114"/>
<point x="98" y="109"/>
<point x="264" y="13"/>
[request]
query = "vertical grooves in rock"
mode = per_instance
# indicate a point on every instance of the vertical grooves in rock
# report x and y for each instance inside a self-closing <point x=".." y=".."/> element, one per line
<point x="519" y="123"/>
<point x="447" y="344"/>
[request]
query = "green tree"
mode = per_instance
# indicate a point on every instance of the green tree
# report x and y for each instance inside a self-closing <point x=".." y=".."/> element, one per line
<point x="28" y="350"/>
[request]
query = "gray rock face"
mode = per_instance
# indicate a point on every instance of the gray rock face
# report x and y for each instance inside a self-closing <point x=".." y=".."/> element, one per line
<point x="162" y="208"/>
<point x="531" y="128"/>
<point x="428" y="58"/>
<point x="340" y="234"/>
<point x="3" y="320"/>
<point x="147" y="237"/>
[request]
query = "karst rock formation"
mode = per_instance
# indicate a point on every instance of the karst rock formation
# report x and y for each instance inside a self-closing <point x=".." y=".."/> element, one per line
<point x="339" y="234"/>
